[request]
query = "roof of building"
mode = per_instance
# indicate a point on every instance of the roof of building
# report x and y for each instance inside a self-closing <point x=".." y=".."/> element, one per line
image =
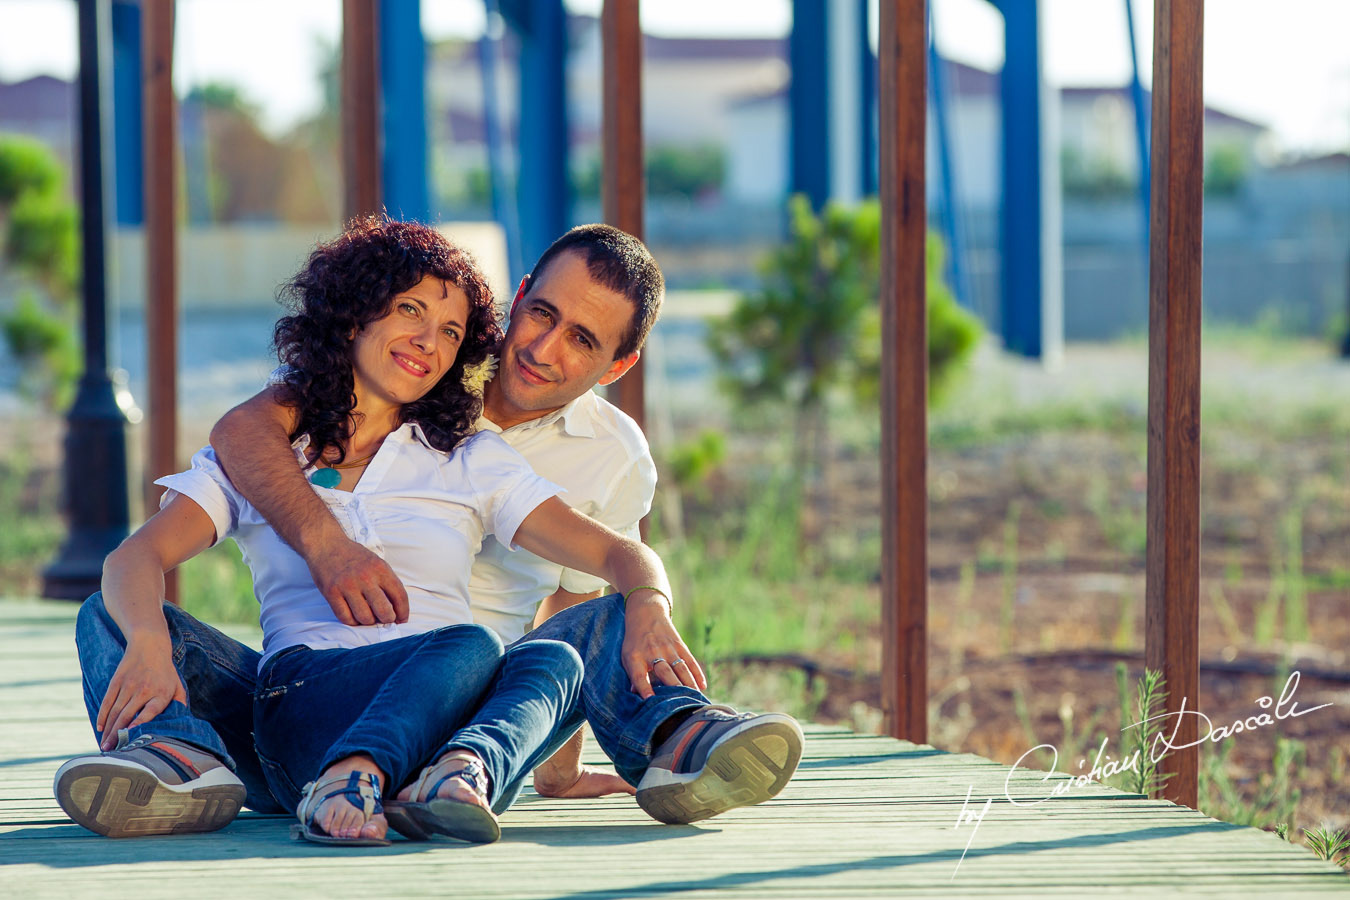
<point x="40" y="98"/>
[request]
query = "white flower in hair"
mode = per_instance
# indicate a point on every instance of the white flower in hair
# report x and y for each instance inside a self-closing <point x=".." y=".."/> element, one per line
<point x="477" y="375"/>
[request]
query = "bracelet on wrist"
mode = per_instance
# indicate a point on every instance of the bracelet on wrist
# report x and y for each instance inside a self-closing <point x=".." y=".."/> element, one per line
<point x="670" y="606"/>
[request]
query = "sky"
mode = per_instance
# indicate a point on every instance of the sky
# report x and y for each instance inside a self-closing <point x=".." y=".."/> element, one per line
<point x="1285" y="64"/>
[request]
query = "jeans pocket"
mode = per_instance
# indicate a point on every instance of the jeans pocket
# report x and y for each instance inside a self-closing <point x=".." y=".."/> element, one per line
<point x="272" y="683"/>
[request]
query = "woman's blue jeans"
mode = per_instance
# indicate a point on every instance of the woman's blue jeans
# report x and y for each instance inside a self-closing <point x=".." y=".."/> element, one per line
<point x="407" y="701"/>
<point x="219" y="675"/>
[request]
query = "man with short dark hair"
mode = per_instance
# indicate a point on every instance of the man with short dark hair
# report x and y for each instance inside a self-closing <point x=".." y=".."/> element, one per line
<point x="578" y="320"/>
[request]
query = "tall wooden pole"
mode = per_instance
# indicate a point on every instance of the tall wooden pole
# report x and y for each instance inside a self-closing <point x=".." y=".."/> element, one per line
<point x="360" y="108"/>
<point x="904" y="380"/>
<point x="161" y="245"/>
<point x="624" y="188"/>
<point x="1173" y="556"/>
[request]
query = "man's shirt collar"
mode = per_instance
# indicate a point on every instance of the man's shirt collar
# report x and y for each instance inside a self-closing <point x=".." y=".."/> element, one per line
<point x="573" y="416"/>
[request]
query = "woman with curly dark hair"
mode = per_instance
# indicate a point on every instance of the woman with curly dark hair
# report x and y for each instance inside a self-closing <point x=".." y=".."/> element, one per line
<point x="344" y="288"/>
<point x="386" y="348"/>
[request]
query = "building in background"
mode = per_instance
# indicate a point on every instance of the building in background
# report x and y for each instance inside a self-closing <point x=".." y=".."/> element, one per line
<point x="715" y="122"/>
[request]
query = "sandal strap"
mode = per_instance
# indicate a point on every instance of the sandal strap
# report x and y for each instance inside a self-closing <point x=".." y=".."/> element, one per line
<point x="360" y="789"/>
<point x="470" y="771"/>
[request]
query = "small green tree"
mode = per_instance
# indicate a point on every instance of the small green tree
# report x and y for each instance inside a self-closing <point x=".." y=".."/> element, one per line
<point x="1225" y="171"/>
<point x="815" y="323"/>
<point x="41" y="242"/>
<point x="26" y="166"/>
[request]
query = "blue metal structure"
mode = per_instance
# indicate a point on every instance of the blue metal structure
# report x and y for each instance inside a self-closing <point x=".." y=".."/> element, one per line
<point x="543" y="185"/>
<point x="403" y="160"/>
<point x="953" y="225"/>
<point x="503" y="198"/>
<point x="809" y="102"/>
<point x="868" y="80"/>
<point x="127" y="120"/>
<point x="1021" y="216"/>
<point x="1141" y="121"/>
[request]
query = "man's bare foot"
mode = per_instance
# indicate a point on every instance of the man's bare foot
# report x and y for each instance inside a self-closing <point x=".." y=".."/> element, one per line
<point x="337" y="817"/>
<point x="586" y="783"/>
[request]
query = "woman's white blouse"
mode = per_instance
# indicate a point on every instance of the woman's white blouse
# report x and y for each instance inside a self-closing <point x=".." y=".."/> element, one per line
<point x="425" y="512"/>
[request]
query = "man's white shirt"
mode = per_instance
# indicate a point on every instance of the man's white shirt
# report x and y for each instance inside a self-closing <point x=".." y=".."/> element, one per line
<point x="600" y="457"/>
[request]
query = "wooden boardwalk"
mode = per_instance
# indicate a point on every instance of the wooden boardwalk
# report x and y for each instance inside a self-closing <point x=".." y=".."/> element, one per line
<point x="865" y="816"/>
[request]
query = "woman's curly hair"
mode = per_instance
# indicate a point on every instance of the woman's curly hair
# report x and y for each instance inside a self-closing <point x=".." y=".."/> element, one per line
<point x="350" y="282"/>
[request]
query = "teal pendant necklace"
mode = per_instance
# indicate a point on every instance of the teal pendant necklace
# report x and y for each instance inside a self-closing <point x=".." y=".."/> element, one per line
<point x="331" y="477"/>
<point x="326" y="478"/>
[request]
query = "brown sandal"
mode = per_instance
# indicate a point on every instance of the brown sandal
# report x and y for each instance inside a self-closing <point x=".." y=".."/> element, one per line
<point x="425" y="814"/>
<point x="360" y="789"/>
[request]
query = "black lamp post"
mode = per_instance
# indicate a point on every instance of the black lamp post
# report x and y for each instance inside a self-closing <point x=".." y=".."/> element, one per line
<point x="96" y="498"/>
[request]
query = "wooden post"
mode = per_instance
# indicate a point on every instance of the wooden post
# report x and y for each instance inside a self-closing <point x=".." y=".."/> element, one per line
<point x="904" y="371"/>
<point x="1173" y="578"/>
<point x="161" y="246"/>
<point x="360" y="108"/>
<point x="624" y="187"/>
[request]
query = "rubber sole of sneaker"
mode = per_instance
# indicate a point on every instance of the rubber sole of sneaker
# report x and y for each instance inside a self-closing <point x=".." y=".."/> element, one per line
<point x="745" y="769"/>
<point x="128" y="801"/>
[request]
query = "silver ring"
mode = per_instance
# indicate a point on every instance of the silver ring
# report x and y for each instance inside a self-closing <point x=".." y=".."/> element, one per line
<point x="656" y="662"/>
<point x="678" y="662"/>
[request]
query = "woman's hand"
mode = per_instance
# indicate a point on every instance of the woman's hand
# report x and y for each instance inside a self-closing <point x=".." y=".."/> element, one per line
<point x="142" y="687"/>
<point x="649" y="636"/>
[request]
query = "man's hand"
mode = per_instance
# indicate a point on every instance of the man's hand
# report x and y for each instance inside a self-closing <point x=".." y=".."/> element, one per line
<point x="142" y="687"/>
<point x="253" y="444"/>
<point x="358" y="585"/>
<point x="650" y="635"/>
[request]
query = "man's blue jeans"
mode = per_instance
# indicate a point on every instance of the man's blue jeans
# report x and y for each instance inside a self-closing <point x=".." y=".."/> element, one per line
<point x="622" y="721"/>
<point x="407" y="701"/>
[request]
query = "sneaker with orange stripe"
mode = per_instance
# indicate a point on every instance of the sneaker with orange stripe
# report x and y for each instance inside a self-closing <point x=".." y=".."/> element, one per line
<point x="151" y="785"/>
<point x="719" y="759"/>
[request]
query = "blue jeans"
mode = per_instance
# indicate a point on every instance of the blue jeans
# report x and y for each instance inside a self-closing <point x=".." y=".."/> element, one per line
<point x="219" y="675"/>
<point x="407" y="701"/>
<point x="623" y="722"/>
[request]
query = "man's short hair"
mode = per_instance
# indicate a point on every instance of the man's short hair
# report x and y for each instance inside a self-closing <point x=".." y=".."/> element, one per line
<point x="622" y="263"/>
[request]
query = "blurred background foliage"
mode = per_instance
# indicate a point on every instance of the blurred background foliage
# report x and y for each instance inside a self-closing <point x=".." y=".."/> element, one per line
<point x="40" y="225"/>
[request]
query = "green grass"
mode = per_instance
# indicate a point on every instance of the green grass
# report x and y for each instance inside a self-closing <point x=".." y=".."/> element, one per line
<point x="1275" y="797"/>
<point x="217" y="587"/>
<point x="750" y="583"/>
<point x="1333" y="846"/>
<point x="1122" y="521"/>
<point x="33" y="529"/>
<point x="1009" y="579"/>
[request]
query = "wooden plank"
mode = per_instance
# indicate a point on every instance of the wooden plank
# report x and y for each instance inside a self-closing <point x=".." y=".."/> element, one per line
<point x="624" y="187"/>
<point x="1172" y="584"/>
<point x="866" y="816"/>
<point x="904" y="370"/>
<point x="360" y="108"/>
<point x="161" y="250"/>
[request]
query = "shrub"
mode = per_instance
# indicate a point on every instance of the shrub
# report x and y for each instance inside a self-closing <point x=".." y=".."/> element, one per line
<point x="815" y="323"/>
<point x="26" y="166"/>
<point x="41" y="240"/>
